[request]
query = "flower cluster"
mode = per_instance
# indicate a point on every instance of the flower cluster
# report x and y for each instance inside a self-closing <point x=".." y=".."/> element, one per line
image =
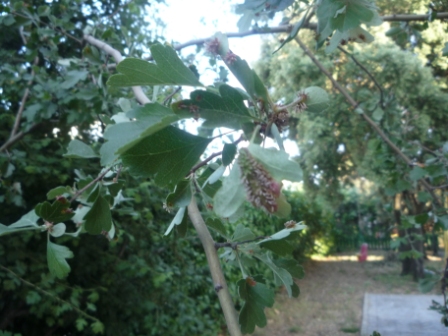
<point x="262" y="190"/>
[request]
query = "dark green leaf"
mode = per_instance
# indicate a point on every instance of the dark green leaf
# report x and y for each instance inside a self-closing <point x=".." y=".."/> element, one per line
<point x="56" y="212"/>
<point x="56" y="255"/>
<point x="98" y="218"/>
<point x="168" y="70"/>
<point x="228" y="154"/>
<point x="283" y="275"/>
<point x="280" y="247"/>
<point x="227" y="110"/>
<point x="149" y="119"/>
<point x="79" y="150"/>
<point x="181" y="196"/>
<point x="231" y="196"/>
<point x="242" y="233"/>
<point x="168" y="154"/>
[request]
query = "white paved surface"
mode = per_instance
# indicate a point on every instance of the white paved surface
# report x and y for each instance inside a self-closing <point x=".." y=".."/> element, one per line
<point x="401" y="315"/>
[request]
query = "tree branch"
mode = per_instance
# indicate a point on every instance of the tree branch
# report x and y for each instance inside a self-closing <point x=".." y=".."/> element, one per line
<point x="138" y="92"/>
<point x="377" y="129"/>
<point x="219" y="280"/>
<point x="99" y="177"/>
<point x="309" y="25"/>
<point x="234" y="245"/>
<point x="79" y="311"/>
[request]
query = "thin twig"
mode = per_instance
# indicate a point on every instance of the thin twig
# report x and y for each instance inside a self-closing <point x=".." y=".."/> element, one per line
<point x="81" y="312"/>
<point x="99" y="177"/>
<point x="138" y="92"/>
<point x="234" y="245"/>
<point x="377" y="129"/>
<point x="211" y="157"/>
<point x="171" y="95"/>
<point x="368" y="74"/>
<point x="16" y="137"/>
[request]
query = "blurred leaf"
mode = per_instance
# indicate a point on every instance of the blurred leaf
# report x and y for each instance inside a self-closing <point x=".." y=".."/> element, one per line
<point x="317" y="99"/>
<point x="217" y="225"/>
<point x="27" y="222"/>
<point x="231" y="196"/>
<point x="79" y="150"/>
<point x="292" y="266"/>
<point x="280" y="247"/>
<point x="282" y="274"/>
<point x="228" y="154"/>
<point x="58" y="230"/>
<point x="277" y="163"/>
<point x="417" y="173"/>
<point x="177" y="220"/>
<point x="242" y="233"/>
<point x="58" y="191"/>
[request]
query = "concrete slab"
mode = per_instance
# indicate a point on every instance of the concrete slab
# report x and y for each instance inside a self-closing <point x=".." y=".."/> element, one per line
<point x="401" y="315"/>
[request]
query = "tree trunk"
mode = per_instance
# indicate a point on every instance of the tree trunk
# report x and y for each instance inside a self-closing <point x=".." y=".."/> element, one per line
<point x="413" y="266"/>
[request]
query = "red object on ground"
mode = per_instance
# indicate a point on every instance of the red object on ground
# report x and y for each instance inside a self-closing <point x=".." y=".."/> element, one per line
<point x="362" y="256"/>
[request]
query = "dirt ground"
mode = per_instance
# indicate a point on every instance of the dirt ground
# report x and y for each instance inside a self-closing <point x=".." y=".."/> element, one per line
<point x="332" y="292"/>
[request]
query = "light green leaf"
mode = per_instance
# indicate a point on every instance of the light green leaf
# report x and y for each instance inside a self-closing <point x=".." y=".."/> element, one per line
<point x="317" y="100"/>
<point x="58" y="191"/>
<point x="292" y="266"/>
<point x="168" y="154"/>
<point x="58" y="230"/>
<point x="27" y="222"/>
<point x="176" y="220"/>
<point x="284" y="233"/>
<point x="79" y="150"/>
<point x="149" y="119"/>
<point x="417" y="173"/>
<point x="226" y="110"/>
<point x="231" y="196"/>
<point x="277" y="163"/>
<point x="56" y="255"/>
<point x="168" y="70"/>
<point x="98" y="218"/>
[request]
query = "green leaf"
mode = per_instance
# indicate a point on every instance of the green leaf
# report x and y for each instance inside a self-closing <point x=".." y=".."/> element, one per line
<point x="80" y="324"/>
<point x="181" y="196"/>
<point x="280" y="273"/>
<point x="27" y="222"/>
<point x="98" y="218"/>
<point x="168" y="70"/>
<point x="79" y="150"/>
<point x="427" y="284"/>
<point x="56" y="255"/>
<point x="149" y="119"/>
<point x="97" y="327"/>
<point x="168" y="154"/>
<point x="317" y="99"/>
<point x="417" y="173"/>
<point x="350" y="15"/>
<point x="292" y="34"/>
<point x="210" y="188"/>
<point x="277" y="163"/>
<point x="226" y="110"/>
<point x="72" y="78"/>
<point x="58" y="191"/>
<point x="58" y="230"/>
<point x="292" y="266"/>
<point x="280" y="247"/>
<point x="285" y="232"/>
<point x="217" y="225"/>
<point x="228" y="154"/>
<point x="177" y="220"/>
<point x="257" y="296"/>
<point x="231" y="196"/>
<point x="242" y="233"/>
<point x="378" y="114"/>
<point x="56" y="212"/>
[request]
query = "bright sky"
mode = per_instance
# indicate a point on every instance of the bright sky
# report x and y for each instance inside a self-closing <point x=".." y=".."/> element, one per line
<point x="194" y="19"/>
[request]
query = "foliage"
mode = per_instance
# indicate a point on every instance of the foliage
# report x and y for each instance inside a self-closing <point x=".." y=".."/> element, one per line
<point x="105" y="164"/>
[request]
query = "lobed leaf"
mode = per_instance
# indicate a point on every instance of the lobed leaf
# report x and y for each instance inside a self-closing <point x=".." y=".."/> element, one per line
<point x="56" y="255"/>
